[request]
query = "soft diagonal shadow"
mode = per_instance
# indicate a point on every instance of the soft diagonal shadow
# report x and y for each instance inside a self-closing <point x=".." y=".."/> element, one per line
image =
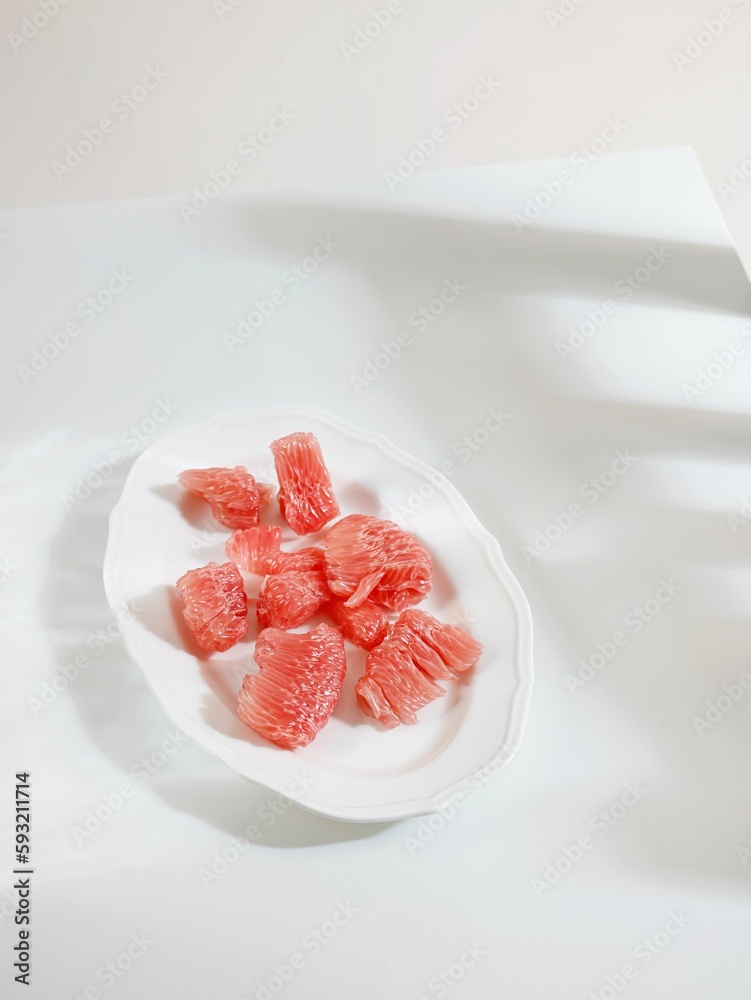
<point x="536" y="261"/>
<point x="485" y="353"/>
<point x="614" y="558"/>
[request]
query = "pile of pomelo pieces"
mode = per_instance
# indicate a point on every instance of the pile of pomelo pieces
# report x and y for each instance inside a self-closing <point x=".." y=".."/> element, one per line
<point x="365" y="573"/>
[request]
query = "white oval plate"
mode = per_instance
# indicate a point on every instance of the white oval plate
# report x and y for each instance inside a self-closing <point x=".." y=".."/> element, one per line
<point x="353" y="770"/>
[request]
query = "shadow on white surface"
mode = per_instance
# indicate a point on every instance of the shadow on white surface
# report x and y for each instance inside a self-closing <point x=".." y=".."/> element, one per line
<point x="192" y="509"/>
<point x="538" y="259"/>
<point x="567" y="420"/>
<point x="563" y="431"/>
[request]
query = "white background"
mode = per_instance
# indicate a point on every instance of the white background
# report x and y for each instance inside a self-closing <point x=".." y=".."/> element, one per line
<point x="677" y="850"/>
<point x="107" y="868"/>
<point x="228" y="71"/>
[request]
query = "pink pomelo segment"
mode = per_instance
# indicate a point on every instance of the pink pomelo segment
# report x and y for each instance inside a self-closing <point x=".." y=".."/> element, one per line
<point x="303" y="561"/>
<point x="306" y="496"/>
<point x="258" y="550"/>
<point x="458" y="650"/>
<point x="367" y="557"/>
<point x="232" y="494"/>
<point x="391" y="671"/>
<point x="214" y="605"/>
<point x="248" y="547"/>
<point x="290" y="599"/>
<point x="365" y="626"/>
<point x="400" y="674"/>
<point x="292" y="697"/>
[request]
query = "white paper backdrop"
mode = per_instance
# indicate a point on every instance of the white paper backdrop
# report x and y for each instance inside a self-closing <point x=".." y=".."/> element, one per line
<point x="613" y="853"/>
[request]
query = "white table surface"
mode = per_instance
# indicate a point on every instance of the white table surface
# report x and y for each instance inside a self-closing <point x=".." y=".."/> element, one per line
<point x="671" y="850"/>
<point x="229" y="67"/>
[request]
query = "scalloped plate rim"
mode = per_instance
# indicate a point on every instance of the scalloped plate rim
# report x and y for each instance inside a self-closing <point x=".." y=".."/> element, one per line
<point x="200" y="734"/>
